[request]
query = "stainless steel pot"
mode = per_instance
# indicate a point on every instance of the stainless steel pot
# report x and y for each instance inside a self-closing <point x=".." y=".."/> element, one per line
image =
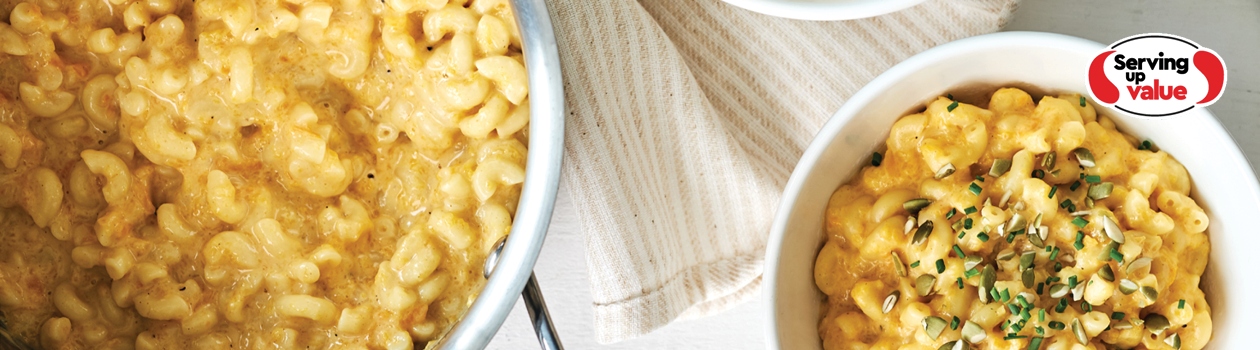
<point x="515" y="263"/>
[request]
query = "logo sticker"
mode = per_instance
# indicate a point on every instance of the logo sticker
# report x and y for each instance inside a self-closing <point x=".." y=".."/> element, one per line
<point x="1156" y="75"/>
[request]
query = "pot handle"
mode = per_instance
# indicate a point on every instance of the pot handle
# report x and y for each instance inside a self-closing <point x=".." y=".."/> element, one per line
<point x="538" y="314"/>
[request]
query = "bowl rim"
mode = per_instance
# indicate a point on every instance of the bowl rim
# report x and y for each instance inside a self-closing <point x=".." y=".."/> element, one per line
<point x="902" y="71"/>
<point x="824" y="11"/>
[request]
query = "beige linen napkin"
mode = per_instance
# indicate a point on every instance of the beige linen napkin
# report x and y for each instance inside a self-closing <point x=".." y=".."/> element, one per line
<point x="685" y="118"/>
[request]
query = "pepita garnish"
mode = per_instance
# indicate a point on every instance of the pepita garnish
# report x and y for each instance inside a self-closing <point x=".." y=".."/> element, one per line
<point x="1112" y="229"/>
<point x="1150" y="293"/>
<point x="909" y="225"/>
<point x="899" y="266"/>
<point x="1174" y="341"/>
<point x="988" y="277"/>
<point x="1128" y="287"/>
<point x="1079" y="331"/>
<point x="1000" y="167"/>
<point x="924" y="231"/>
<point x="1005" y="255"/>
<point x="891" y="300"/>
<point x="1016" y="223"/>
<point x="1156" y="323"/>
<point x="1084" y="157"/>
<point x="1106" y="273"/>
<point x="923" y="284"/>
<point x="1026" y="260"/>
<point x="1048" y="160"/>
<point x="934" y="326"/>
<point x="945" y="171"/>
<point x="1100" y="191"/>
<point x="1137" y="264"/>
<point x="973" y="333"/>
<point x="1029" y="278"/>
<point x="914" y="205"/>
<point x="971" y="261"/>
<point x="1058" y="290"/>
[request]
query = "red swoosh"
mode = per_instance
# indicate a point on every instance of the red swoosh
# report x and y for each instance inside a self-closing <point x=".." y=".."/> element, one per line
<point x="1103" y="89"/>
<point x="1214" y="70"/>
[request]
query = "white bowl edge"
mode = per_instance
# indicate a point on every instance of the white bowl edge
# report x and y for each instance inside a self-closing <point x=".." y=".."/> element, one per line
<point x="824" y="10"/>
<point x="1223" y="181"/>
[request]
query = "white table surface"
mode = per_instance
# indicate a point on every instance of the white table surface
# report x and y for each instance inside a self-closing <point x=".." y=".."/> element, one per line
<point x="1231" y="27"/>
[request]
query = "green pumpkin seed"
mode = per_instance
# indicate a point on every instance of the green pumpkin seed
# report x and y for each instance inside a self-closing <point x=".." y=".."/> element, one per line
<point x="971" y="261"/>
<point x="945" y="171"/>
<point x="1048" y="160"/>
<point x="1000" y="167"/>
<point x="1030" y="278"/>
<point x="934" y="326"/>
<point x="1112" y="229"/>
<point x="1106" y="273"/>
<point x="1174" y="341"/>
<point x="1128" y="287"/>
<point x="1084" y="157"/>
<point x="924" y="231"/>
<point x="1156" y="323"/>
<point x="923" y="285"/>
<point x="1137" y="264"/>
<point x="1150" y="293"/>
<point x="1079" y="331"/>
<point x="1100" y="190"/>
<point x="973" y="333"/>
<point x="899" y="266"/>
<point x="1059" y="290"/>
<point x="914" y="205"/>
<point x="891" y="300"/>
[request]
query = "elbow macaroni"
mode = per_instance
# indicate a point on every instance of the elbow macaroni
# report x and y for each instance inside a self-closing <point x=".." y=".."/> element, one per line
<point x="1048" y="254"/>
<point x="311" y="174"/>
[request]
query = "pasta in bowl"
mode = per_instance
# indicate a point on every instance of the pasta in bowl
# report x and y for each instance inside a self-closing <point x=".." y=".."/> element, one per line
<point x="837" y="296"/>
<point x="241" y="174"/>
<point x="998" y="242"/>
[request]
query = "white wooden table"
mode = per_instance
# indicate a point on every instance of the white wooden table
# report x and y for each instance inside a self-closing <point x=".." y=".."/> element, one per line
<point x="1231" y="27"/>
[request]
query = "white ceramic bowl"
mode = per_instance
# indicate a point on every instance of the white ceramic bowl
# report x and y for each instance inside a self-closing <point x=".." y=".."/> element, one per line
<point x="1223" y="181"/>
<point x="824" y="10"/>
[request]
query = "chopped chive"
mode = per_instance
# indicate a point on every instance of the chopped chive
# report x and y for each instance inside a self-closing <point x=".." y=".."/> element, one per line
<point x="995" y="295"/>
<point x="1038" y="173"/>
<point x="1053" y="189"/>
<point x="953" y="324"/>
<point x="1072" y="281"/>
<point x="1035" y="343"/>
<point x="952" y="106"/>
<point x="1181" y="304"/>
<point x="1023" y="301"/>
<point x="1061" y="306"/>
<point x="1058" y="266"/>
<point x="1079" y="222"/>
<point x="1010" y="238"/>
<point x="1115" y="255"/>
<point x="967" y="223"/>
<point x="1054" y="253"/>
<point x="975" y="189"/>
<point x="1082" y="101"/>
<point x="914" y="264"/>
<point x="1041" y="315"/>
<point x="1086" y="307"/>
<point x="1012" y="336"/>
<point x="983" y="237"/>
<point x="1013" y="307"/>
<point x="940" y="265"/>
<point x="1146" y="145"/>
<point x="877" y="159"/>
<point x="950" y="214"/>
<point x="1117" y="315"/>
<point x="1075" y="185"/>
<point x="971" y="273"/>
<point x="962" y="234"/>
<point x="1082" y="175"/>
<point x="1056" y="325"/>
<point x="960" y="283"/>
<point x="1006" y="295"/>
<point x="950" y="96"/>
<point x="1065" y="203"/>
<point x="1041" y="287"/>
<point x="980" y="178"/>
<point x="970" y="210"/>
<point x="958" y="251"/>
<point x="1093" y="179"/>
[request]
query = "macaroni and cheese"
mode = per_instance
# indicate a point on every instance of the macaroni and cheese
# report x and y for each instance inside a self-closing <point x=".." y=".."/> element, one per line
<point x="1021" y="226"/>
<point x="249" y="174"/>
